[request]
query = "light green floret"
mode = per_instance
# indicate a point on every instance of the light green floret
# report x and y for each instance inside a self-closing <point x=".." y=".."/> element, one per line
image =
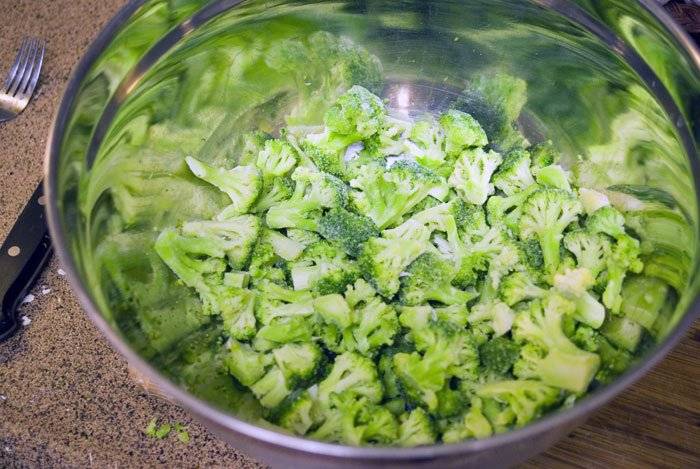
<point x="324" y="268"/>
<point x="546" y="214"/>
<point x="513" y="174"/>
<point x="426" y="143"/>
<point x="386" y="195"/>
<point x="351" y="374"/>
<point x="461" y="131"/>
<point x="471" y="177"/>
<point x="549" y="355"/>
<point x="472" y="425"/>
<point x="237" y="306"/>
<point x="313" y="191"/>
<point x="590" y="249"/>
<point x="277" y="159"/>
<point x="554" y="176"/>
<point x="519" y="401"/>
<point x="299" y="362"/>
<point x="416" y="429"/>
<point x="271" y="389"/>
<point x="623" y="258"/>
<point x="242" y="184"/>
<point x="348" y="229"/>
<point x="299" y="415"/>
<point x="233" y="238"/>
<point x="573" y="285"/>
<point x="245" y="364"/>
<point x="383" y="260"/>
<point x="429" y="278"/>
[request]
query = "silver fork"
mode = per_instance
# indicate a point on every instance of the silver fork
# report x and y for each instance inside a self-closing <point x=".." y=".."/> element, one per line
<point x="22" y="78"/>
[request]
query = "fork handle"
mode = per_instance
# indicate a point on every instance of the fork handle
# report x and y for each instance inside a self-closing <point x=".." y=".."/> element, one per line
<point x="23" y="254"/>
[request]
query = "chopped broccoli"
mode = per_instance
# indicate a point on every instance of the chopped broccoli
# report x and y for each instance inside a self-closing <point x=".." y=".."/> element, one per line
<point x="554" y="176"/>
<point x="461" y="131"/>
<point x="623" y="258"/>
<point x="428" y="140"/>
<point x="348" y="229"/>
<point x="591" y="250"/>
<point x="472" y="425"/>
<point x="607" y="220"/>
<point x="383" y="260"/>
<point x="277" y="159"/>
<point x="324" y="268"/>
<point x="526" y="399"/>
<point x="242" y="184"/>
<point x="592" y="200"/>
<point x="471" y="177"/>
<point x="416" y="429"/>
<point x="277" y="191"/>
<point x="518" y="287"/>
<point x="513" y="174"/>
<point x="498" y="355"/>
<point x="386" y="195"/>
<point x="497" y="315"/>
<point x="429" y="278"/>
<point x="271" y="389"/>
<point x="299" y="415"/>
<point x="303" y="237"/>
<point x="299" y="362"/>
<point x="548" y="354"/>
<point x="245" y="364"/>
<point x="351" y="373"/>
<point x="546" y="214"/>
<point x="573" y="284"/>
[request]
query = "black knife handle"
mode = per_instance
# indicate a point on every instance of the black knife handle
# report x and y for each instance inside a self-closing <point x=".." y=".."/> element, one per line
<point x="22" y="256"/>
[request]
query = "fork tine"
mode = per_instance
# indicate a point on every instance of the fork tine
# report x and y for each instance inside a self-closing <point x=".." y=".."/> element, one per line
<point x="29" y="72"/>
<point x="15" y="66"/>
<point x="36" y="71"/>
<point x="26" y="57"/>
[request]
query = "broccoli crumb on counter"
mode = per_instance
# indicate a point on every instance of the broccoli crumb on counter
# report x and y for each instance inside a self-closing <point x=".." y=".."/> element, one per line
<point x="384" y="281"/>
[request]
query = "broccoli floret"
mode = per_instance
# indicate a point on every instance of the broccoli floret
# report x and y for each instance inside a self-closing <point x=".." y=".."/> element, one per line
<point x="623" y="332"/>
<point x="360" y="292"/>
<point x="313" y="191"/>
<point x="250" y="145"/>
<point x="526" y="399"/>
<point x="236" y="279"/>
<point x="288" y="249"/>
<point x="554" y="176"/>
<point x="382" y="261"/>
<point x="506" y="210"/>
<point x="420" y="377"/>
<point x="242" y="184"/>
<point x="623" y="258"/>
<point x="546" y="214"/>
<point x="429" y="278"/>
<point x="376" y="327"/>
<point x="354" y="374"/>
<point x="498" y="355"/>
<point x="277" y="191"/>
<point x="323" y="268"/>
<point x="497" y="315"/>
<point x="386" y="195"/>
<point x="426" y="143"/>
<point x="237" y="307"/>
<point x="271" y="389"/>
<point x="591" y="250"/>
<point x="607" y="220"/>
<point x="543" y="154"/>
<point x="471" y="177"/>
<point x="333" y="309"/>
<point x="348" y="229"/>
<point x="233" y="238"/>
<point x="284" y="330"/>
<point x="299" y="362"/>
<point x="416" y="429"/>
<point x="303" y="237"/>
<point x="454" y="314"/>
<point x="472" y="425"/>
<point x="461" y="131"/>
<point x="573" y="284"/>
<point x="357" y="112"/>
<point x="519" y="286"/>
<point x="550" y="354"/>
<point x="299" y="415"/>
<point x="513" y="174"/>
<point x="245" y="364"/>
<point x="277" y="159"/>
<point x="592" y="200"/>
<point x="264" y="264"/>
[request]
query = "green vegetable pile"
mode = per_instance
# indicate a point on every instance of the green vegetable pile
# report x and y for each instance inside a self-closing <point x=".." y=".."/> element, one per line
<point x="391" y="281"/>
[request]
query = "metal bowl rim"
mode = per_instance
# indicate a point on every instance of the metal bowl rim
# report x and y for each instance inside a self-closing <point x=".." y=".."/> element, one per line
<point x="293" y="443"/>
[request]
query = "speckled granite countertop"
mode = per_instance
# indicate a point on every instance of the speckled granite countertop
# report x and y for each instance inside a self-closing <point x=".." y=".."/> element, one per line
<point x="65" y="396"/>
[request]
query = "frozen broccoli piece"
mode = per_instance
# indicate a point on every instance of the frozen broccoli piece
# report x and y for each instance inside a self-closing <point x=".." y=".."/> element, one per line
<point x="386" y="195"/>
<point x="287" y="248"/>
<point x="525" y="399"/>
<point x="277" y="159"/>
<point x="471" y="177"/>
<point x="357" y="112"/>
<point x="554" y="176"/>
<point x="303" y="236"/>
<point x="606" y="220"/>
<point x="348" y="229"/>
<point x="245" y="364"/>
<point x="427" y="140"/>
<point x="472" y="425"/>
<point x="233" y="238"/>
<point x="271" y="389"/>
<point x="333" y="309"/>
<point x="324" y="268"/>
<point x="573" y="284"/>
<point x="498" y="355"/>
<point x="542" y="155"/>
<point x="549" y="354"/>
<point x="237" y="307"/>
<point x="277" y="191"/>
<point x="284" y="330"/>
<point x="299" y="415"/>
<point x="299" y="362"/>
<point x="416" y="428"/>
<point x="313" y="191"/>
<point x="383" y="260"/>
<point x="429" y="278"/>
<point x="519" y="286"/>
<point x="513" y="174"/>
<point x="461" y="132"/>
<point x="497" y="315"/>
<point x="242" y="184"/>
<point x="590" y="249"/>
<point x="354" y="374"/>
<point x="376" y="326"/>
<point x="623" y="258"/>
<point x="546" y="214"/>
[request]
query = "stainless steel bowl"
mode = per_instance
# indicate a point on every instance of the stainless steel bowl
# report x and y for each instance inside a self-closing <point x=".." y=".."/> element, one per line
<point x="614" y="81"/>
